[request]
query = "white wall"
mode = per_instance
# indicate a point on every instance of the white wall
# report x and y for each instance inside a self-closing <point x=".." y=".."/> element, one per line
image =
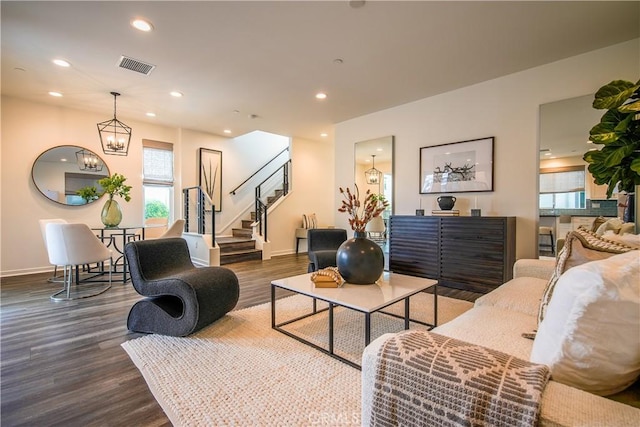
<point x="312" y="192"/>
<point x="30" y="128"/>
<point x="506" y="108"/>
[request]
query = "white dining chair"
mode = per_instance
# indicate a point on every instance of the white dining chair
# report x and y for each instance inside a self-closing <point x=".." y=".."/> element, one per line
<point x="175" y="230"/>
<point x="43" y="229"/>
<point x="72" y="245"/>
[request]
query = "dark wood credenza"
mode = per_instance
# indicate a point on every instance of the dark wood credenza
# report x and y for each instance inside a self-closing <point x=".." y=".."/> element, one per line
<point x="470" y="253"/>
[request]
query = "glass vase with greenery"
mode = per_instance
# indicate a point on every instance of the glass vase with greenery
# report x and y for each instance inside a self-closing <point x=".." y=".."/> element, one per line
<point x="113" y="185"/>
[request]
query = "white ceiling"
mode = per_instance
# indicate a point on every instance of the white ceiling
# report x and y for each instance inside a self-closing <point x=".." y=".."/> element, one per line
<point x="268" y="59"/>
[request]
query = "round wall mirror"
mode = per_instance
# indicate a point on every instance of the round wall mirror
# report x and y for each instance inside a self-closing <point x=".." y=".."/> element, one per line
<point x="60" y="173"/>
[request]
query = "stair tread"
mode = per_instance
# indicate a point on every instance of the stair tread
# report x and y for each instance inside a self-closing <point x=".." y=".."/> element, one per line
<point x="248" y="251"/>
<point x="220" y="240"/>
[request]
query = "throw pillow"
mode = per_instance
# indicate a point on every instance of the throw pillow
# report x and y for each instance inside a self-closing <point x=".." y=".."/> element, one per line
<point x="612" y="224"/>
<point x="597" y="223"/>
<point x="309" y="221"/>
<point x="627" y="228"/>
<point x="580" y="246"/>
<point x="628" y="239"/>
<point x="590" y="336"/>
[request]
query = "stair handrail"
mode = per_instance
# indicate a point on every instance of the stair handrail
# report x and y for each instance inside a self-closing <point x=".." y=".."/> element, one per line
<point x="233" y="192"/>
<point x="261" y="208"/>
<point x="261" y="212"/>
<point x="202" y="200"/>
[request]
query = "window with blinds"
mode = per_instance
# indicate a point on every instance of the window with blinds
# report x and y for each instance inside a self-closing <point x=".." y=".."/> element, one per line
<point x="157" y="170"/>
<point x="563" y="188"/>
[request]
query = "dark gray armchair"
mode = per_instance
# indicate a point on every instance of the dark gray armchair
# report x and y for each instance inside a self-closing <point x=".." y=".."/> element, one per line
<point x="323" y="244"/>
<point x="180" y="298"/>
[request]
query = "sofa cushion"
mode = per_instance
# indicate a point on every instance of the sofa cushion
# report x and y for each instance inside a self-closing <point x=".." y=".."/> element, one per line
<point x="493" y="327"/>
<point x="590" y="335"/>
<point x="580" y="246"/>
<point x="521" y="294"/>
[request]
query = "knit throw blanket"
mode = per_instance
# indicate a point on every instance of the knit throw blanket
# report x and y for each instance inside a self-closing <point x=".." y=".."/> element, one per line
<point x="426" y="379"/>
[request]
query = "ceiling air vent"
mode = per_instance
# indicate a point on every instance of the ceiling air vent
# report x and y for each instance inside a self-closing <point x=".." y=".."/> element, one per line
<point x="135" y="65"/>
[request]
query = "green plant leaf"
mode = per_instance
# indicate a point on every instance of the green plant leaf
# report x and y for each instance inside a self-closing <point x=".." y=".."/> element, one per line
<point x="605" y="131"/>
<point x="615" y="157"/>
<point x="635" y="165"/>
<point x="622" y="127"/>
<point x="614" y="94"/>
<point x="630" y="107"/>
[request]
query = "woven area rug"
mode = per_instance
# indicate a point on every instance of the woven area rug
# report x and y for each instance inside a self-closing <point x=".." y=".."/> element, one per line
<point x="240" y="372"/>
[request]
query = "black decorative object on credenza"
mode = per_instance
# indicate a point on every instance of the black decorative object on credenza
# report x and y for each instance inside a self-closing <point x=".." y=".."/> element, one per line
<point x="446" y="203"/>
<point x="360" y="260"/>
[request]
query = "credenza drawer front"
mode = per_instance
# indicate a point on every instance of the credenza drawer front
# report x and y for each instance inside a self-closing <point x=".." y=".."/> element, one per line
<point x="473" y="229"/>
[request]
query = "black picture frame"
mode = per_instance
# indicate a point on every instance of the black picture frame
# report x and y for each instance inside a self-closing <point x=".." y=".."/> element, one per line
<point x="457" y="167"/>
<point x="210" y="175"/>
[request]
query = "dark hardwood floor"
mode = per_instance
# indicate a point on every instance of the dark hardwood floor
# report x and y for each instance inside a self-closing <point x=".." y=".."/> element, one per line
<point x="62" y="364"/>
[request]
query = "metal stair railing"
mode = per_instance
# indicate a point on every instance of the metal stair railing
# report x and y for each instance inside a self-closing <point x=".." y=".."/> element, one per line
<point x="278" y="180"/>
<point x="197" y="207"/>
<point x="233" y="192"/>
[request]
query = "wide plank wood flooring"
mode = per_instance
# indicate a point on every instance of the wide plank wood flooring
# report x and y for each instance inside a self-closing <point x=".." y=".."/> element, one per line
<point x="62" y="364"/>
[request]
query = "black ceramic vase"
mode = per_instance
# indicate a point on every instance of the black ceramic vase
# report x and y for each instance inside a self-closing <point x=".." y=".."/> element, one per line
<point x="446" y="202"/>
<point x="360" y="260"/>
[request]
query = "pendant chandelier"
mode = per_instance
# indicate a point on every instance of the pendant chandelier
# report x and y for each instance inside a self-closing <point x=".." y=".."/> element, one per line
<point x="114" y="135"/>
<point x="373" y="175"/>
<point x="88" y="161"/>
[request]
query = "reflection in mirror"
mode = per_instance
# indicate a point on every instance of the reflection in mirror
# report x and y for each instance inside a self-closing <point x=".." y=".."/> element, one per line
<point x="60" y="172"/>
<point x="374" y="168"/>
<point x="567" y="190"/>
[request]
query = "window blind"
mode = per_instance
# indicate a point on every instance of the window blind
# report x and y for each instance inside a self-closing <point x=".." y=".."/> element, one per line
<point x="157" y="166"/>
<point x="562" y="180"/>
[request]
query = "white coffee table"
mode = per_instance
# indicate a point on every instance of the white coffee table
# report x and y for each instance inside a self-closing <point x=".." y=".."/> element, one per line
<point x="367" y="299"/>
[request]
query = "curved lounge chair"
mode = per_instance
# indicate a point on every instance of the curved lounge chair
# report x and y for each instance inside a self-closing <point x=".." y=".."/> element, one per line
<point x="181" y="298"/>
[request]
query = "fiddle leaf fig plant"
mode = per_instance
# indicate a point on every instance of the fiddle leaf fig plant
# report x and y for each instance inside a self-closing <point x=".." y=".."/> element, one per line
<point x="618" y="161"/>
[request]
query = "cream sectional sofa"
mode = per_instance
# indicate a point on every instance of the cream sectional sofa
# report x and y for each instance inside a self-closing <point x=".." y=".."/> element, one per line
<point x="497" y="321"/>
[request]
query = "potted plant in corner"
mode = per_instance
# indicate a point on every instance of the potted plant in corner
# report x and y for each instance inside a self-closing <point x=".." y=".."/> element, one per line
<point x="618" y="161"/>
<point x="113" y="186"/>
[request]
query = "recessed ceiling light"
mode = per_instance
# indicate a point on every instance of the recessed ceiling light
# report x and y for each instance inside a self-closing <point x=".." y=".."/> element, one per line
<point x="176" y="94"/>
<point x="142" y="25"/>
<point x="61" y="63"/>
<point x="63" y="159"/>
<point x="150" y="114"/>
<point x="547" y="154"/>
<point x="324" y="135"/>
<point x="56" y="94"/>
<point x="321" y="95"/>
<point x="379" y="149"/>
<point x="227" y="131"/>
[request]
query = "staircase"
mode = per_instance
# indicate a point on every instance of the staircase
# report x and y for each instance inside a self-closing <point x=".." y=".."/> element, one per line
<point x="241" y="246"/>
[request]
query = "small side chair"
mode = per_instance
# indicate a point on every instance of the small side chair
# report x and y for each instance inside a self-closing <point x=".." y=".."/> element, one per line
<point x="323" y="247"/>
<point x="180" y="297"/>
